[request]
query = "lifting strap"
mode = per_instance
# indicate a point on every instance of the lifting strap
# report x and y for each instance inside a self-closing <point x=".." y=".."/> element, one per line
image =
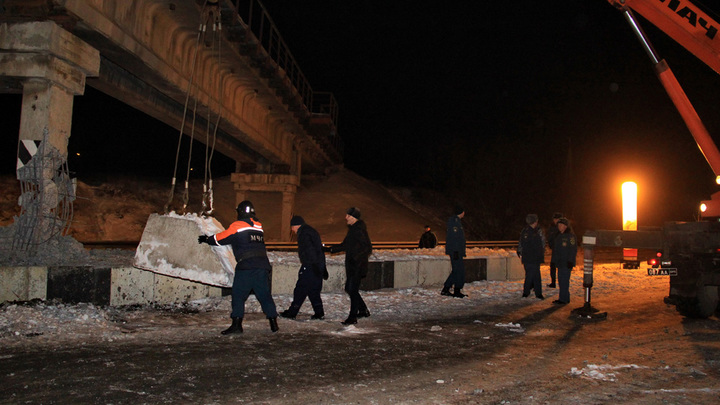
<point x="210" y="15"/>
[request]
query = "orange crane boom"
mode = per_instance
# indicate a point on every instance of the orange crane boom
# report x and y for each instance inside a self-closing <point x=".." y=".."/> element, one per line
<point x="698" y="33"/>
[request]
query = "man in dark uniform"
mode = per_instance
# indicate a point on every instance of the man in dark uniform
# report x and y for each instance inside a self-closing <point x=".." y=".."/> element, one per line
<point x="312" y="270"/>
<point x="531" y="250"/>
<point x="564" y="255"/>
<point x="455" y="248"/>
<point x="357" y="247"/>
<point x="551" y="234"/>
<point x="428" y="240"/>
<point x="252" y="272"/>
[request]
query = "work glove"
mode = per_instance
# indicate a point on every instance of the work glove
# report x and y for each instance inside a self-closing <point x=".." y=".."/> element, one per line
<point x="456" y="255"/>
<point x="203" y="239"/>
<point x="570" y="265"/>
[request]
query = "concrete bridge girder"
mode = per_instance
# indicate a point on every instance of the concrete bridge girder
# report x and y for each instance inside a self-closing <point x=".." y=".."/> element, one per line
<point x="166" y="39"/>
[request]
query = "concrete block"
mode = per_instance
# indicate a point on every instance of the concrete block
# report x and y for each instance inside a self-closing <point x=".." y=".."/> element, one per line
<point x="406" y="274"/>
<point x="22" y="283"/>
<point x="79" y="284"/>
<point x="515" y="269"/>
<point x="171" y="290"/>
<point x="284" y="278"/>
<point x="169" y="246"/>
<point x="131" y="286"/>
<point x="336" y="279"/>
<point x="475" y="269"/>
<point x="380" y="275"/>
<point x="496" y="268"/>
<point x="433" y="272"/>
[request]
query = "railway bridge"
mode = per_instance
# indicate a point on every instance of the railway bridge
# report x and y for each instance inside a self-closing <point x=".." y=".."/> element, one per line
<point x="216" y="70"/>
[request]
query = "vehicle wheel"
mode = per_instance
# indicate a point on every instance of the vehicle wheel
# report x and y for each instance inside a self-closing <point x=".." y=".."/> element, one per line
<point x="701" y="307"/>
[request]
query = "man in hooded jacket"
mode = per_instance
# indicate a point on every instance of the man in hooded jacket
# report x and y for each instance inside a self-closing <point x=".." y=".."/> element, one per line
<point x="357" y="247"/>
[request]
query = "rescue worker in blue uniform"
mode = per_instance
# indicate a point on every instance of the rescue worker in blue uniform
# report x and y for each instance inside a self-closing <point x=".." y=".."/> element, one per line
<point x="564" y="256"/>
<point x="358" y="248"/>
<point x="253" y="269"/>
<point x="531" y="250"/>
<point x="312" y="270"/>
<point x="455" y="248"/>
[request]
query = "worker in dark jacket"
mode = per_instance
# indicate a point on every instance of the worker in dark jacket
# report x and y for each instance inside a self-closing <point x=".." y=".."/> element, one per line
<point x="312" y="270"/>
<point x="357" y="247"/>
<point x="455" y="248"/>
<point x="252" y="272"/>
<point x="551" y="234"/>
<point x="428" y="240"/>
<point x="531" y="250"/>
<point x="564" y="255"/>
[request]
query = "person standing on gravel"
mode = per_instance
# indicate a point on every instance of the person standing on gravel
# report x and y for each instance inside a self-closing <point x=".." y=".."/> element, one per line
<point x="531" y="250"/>
<point x="357" y="247"/>
<point x="312" y="270"/>
<point x="252" y="272"/>
<point x="564" y="255"/>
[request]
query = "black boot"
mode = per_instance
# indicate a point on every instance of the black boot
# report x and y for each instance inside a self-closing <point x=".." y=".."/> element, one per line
<point x="236" y="327"/>
<point x="318" y="316"/>
<point x="349" y="321"/>
<point x="458" y="294"/>
<point x="445" y="291"/>
<point x="273" y="324"/>
<point x="364" y="313"/>
<point x="288" y="314"/>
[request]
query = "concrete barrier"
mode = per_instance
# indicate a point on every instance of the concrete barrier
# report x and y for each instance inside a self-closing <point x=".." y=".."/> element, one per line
<point x="23" y="283"/>
<point x="133" y="286"/>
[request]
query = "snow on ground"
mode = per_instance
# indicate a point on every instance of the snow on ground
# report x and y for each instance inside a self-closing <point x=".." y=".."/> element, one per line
<point x="23" y="321"/>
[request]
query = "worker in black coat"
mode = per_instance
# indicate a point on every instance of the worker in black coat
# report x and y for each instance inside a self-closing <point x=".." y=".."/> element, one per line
<point x="312" y="270"/>
<point x="531" y="250"/>
<point x="564" y="255"/>
<point x="428" y="240"/>
<point x="455" y="248"/>
<point x="551" y="234"/>
<point x="357" y="247"/>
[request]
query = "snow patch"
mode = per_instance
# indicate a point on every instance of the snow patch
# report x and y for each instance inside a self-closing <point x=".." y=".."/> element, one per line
<point x="602" y="372"/>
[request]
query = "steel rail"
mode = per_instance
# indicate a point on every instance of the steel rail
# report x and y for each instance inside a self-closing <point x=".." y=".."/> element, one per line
<point x="289" y="246"/>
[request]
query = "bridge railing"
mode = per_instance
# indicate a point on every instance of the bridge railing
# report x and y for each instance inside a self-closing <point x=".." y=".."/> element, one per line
<point x="259" y="23"/>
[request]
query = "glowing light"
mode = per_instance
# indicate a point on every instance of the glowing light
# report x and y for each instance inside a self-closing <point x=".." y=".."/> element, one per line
<point x="717" y="179"/>
<point x="703" y="207"/>
<point x="629" y="203"/>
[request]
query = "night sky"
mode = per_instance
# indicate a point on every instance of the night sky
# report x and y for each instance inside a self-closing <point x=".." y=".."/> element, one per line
<point x="509" y="107"/>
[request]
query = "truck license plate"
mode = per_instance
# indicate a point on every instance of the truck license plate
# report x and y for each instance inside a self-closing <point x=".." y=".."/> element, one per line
<point x="662" y="271"/>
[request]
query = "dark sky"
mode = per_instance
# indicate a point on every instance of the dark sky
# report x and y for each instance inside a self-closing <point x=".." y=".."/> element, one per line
<point x="532" y="105"/>
<point x="511" y="107"/>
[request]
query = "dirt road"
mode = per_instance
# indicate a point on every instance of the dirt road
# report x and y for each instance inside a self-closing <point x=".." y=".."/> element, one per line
<point x="438" y="350"/>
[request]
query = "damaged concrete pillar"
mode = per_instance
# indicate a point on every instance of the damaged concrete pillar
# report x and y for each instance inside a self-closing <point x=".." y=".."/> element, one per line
<point x="51" y="66"/>
<point x="286" y="184"/>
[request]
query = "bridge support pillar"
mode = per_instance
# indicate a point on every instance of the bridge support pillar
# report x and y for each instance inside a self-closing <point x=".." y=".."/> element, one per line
<point x="50" y="66"/>
<point x="286" y="184"/>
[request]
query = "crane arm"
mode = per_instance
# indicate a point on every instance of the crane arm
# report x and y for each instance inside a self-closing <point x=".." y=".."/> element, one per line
<point x="696" y="32"/>
<point x="684" y="22"/>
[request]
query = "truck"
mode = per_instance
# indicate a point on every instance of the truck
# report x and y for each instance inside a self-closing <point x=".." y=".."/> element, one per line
<point x="689" y="252"/>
